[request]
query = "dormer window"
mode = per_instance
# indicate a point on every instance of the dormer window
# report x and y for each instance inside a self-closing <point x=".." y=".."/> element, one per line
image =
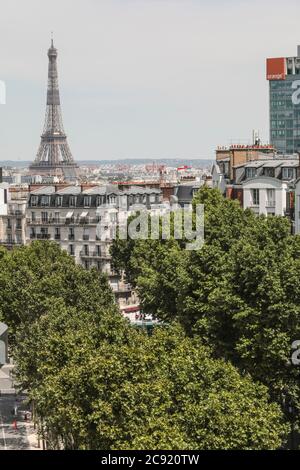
<point x="269" y="172"/>
<point x="250" y="172"/>
<point x="288" y="173"/>
<point x="87" y="201"/>
<point x="72" y="201"/>
<point x="34" y="201"/>
<point x="58" y="201"/>
<point x="45" y="201"/>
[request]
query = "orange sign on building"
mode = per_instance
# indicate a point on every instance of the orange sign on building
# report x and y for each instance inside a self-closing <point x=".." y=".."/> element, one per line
<point x="276" y="69"/>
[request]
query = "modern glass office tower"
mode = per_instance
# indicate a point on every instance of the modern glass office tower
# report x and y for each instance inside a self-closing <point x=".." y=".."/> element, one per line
<point x="283" y="75"/>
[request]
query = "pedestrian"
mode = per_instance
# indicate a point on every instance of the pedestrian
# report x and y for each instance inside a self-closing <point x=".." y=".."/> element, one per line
<point x="15" y="426"/>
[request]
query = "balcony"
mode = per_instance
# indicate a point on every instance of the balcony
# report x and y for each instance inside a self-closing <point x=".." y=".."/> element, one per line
<point x="10" y="243"/>
<point x="16" y="212"/>
<point x="62" y="221"/>
<point x="85" y="254"/>
<point x="57" y="236"/>
<point x="43" y="236"/>
<point x="121" y="288"/>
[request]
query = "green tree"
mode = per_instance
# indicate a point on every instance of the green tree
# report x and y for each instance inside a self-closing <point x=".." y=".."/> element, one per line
<point x="98" y="383"/>
<point x="240" y="293"/>
<point x="32" y="277"/>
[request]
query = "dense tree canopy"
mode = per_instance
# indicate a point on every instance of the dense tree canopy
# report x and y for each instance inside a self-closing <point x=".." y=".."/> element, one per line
<point x="32" y="277"/>
<point x="97" y="382"/>
<point x="240" y="293"/>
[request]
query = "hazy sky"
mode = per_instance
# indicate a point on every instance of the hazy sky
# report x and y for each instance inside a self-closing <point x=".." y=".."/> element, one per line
<point x="142" y="78"/>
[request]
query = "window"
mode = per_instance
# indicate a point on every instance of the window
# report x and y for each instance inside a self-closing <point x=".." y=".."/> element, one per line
<point x="57" y="217"/>
<point x="71" y="250"/>
<point x="152" y="198"/>
<point x="86" y="250"/>
<point x="9" y="223"/>
<point x="271" y="197"/>
<point x="34" y="201"/>
<point x="255" y="197"/>
<point x="269" y="172"/>
<point x="98" y="250"/>
<point x="33" y="219"/>
<point x="45" y="201"/>
<point x="59" y="201"/>
<point x="98" y="201"/>
<point x="86" y="234"/>
<point x="71" y="233"/>
<point x="250" y="172"/>
<point x="44" y="234"/>
<point x="288" y="173"/>
<point x="112" y="199"/>
<point x="72" y="201"/>
<point x="87" y="201"/>
<point x="19" y="224"/>
<point x="32" y="233"/>
<point x="57" y="233"/>
<point x="44" y="217"/>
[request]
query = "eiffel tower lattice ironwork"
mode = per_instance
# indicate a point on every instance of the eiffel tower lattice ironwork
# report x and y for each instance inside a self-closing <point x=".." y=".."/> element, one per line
<point x="54" y="156"/>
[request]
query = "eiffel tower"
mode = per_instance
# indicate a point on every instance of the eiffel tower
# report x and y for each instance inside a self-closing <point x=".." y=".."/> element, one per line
<point x="54" y="157"/>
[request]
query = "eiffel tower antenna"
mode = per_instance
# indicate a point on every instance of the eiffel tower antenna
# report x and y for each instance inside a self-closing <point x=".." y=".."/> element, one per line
<point x="54" y="156"/>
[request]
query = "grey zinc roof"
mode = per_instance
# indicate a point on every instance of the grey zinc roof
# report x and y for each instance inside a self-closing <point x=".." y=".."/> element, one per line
<point x="290" y="163"/>
<point x="47" y="190"/>
<point x="102" y="190"/>
<point x="254" y="164"/>
<point x="272" y="164"/>
<point x="141" y="190"/>
<point x="96" y="190"/>
<point x="71" y="190"/>
<point x="184" y="193"/>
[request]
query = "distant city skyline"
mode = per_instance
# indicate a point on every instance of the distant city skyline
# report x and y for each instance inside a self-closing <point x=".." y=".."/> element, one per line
<point x="141" y="78"/>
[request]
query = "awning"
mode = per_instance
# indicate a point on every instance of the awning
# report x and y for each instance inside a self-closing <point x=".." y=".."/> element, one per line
<point x="84" y="214"/>
<point x="131" y="309"/>
<point x="69" y="215"/>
